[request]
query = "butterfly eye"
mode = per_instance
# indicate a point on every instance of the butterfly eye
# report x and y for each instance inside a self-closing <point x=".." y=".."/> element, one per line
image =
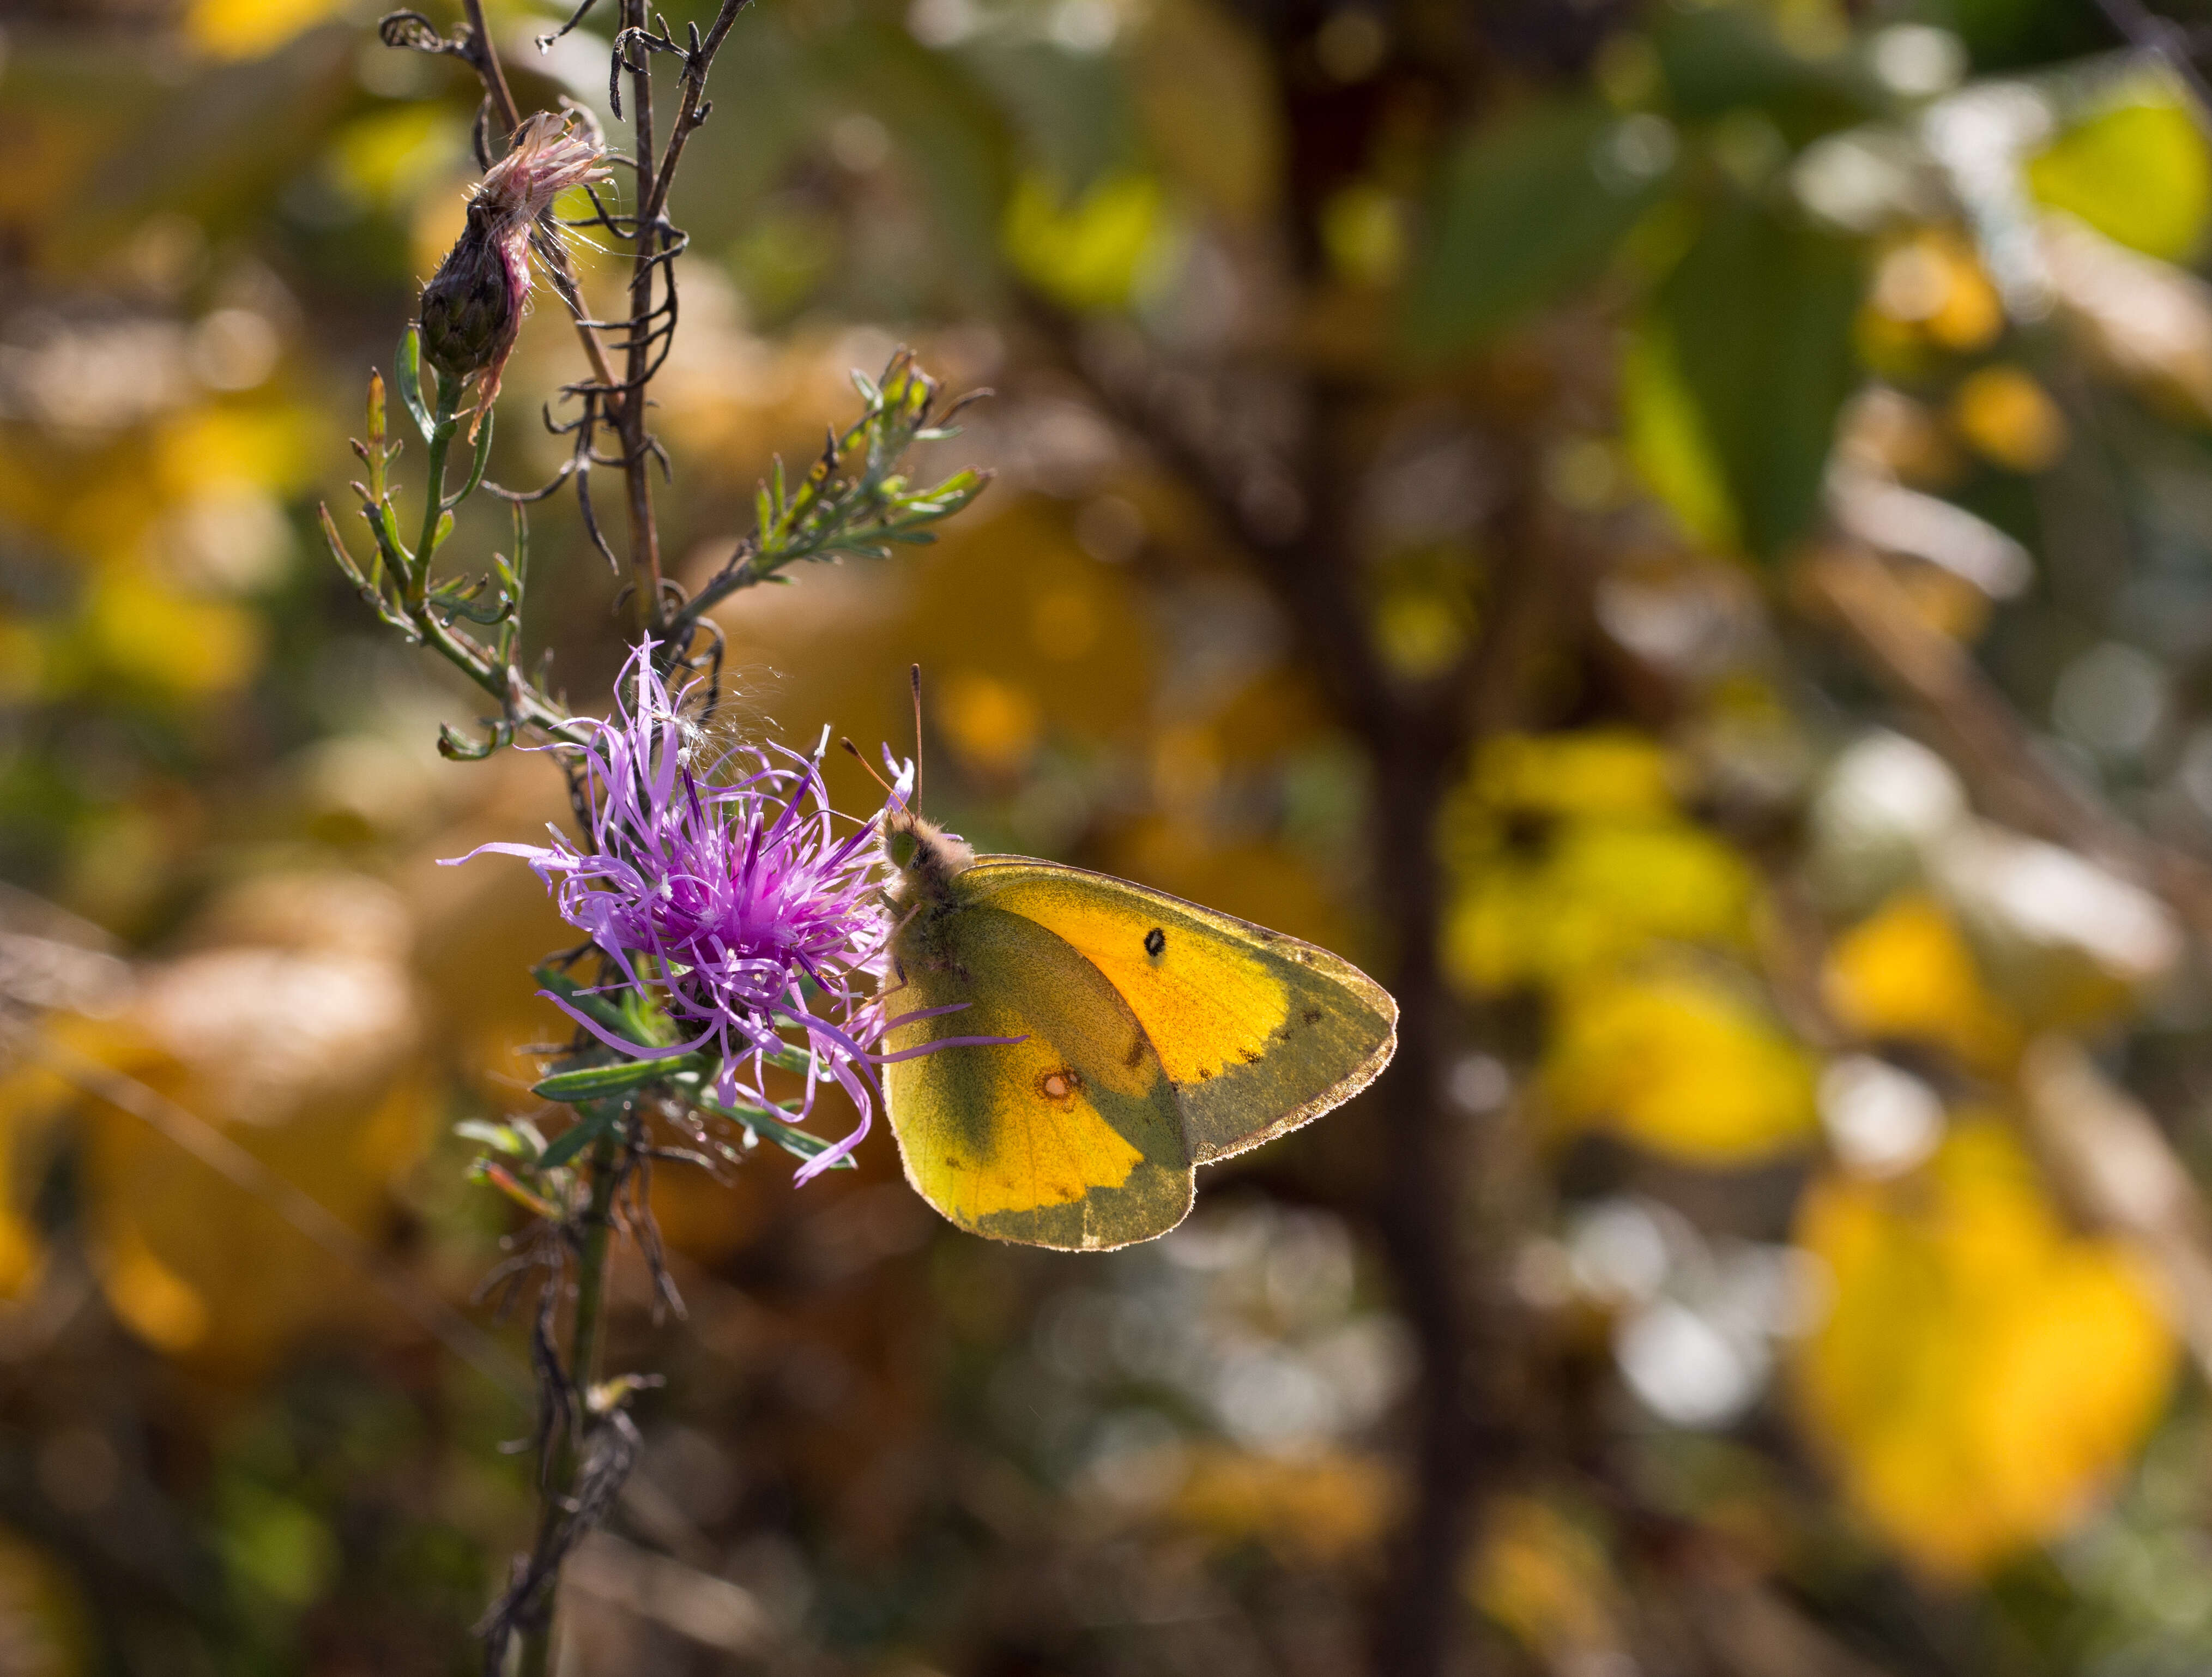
<point x="1155" y="943"/>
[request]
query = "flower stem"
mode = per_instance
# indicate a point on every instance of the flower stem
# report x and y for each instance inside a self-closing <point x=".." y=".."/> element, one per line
<point x="562" y="1445"/>
<point x="443" y="425"/>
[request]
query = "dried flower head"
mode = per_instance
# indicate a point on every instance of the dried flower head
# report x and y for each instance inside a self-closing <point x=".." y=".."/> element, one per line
<point x="724" y="885"/>
<point x="473" y="306"/>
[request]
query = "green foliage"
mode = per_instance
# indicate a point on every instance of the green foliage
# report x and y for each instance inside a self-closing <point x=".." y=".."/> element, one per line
<point x="1759" y="315"/>
<point x="1526" y="210"/>
<point x="854" y="500"/>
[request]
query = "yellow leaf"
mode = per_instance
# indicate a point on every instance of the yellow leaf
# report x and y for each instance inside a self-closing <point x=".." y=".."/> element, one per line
<point x="151" y="1299"/>
<point x="1420" y="632"/>
<point x="1363" y="228"/>
<point x="1087" y="254"/>
<point x="1905" y="972"/>
<point x="2139" y="173"/>
<point x="1547" y="1579"/>
<point x="1319" y="1510"/>
<point x="1667" y="442"/>
<point x="22" y="660"/>
<point x="261" y="447"/>
<point x="392" y="154"/>
<point x="251" y="28"/>
<point x="166" y="639"/>
<point x="1604" y="891"/>
<point x="1600" y="771"/>
<point x="1678" y="1062"/>
<point x="1984" y="1371"/>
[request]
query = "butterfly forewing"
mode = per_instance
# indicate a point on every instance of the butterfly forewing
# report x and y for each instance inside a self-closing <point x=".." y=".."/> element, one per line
<point x="1257" y="1031"/>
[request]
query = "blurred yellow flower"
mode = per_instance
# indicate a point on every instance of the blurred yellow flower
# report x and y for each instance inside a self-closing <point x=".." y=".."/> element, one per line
<point x="1932" y="282"/>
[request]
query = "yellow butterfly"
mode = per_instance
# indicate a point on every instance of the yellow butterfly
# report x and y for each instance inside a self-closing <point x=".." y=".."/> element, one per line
<point x="1152" y="1036"/>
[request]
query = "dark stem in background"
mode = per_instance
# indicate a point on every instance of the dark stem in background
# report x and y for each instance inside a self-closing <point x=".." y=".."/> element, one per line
<point x="1416" y="736"/>
<point x="562" y="1453"/>
<point x="560" y="1463"/>
<point x="651" y="191"/>
<point x="855" y="498"/>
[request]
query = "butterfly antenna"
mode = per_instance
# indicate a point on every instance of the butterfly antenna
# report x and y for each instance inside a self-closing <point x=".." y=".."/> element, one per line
<point x="915" y="674"/>
<point x="859" y="757"/>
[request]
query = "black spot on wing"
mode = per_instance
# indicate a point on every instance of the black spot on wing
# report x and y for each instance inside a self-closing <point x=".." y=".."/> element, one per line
<point x="1155" y="943"/>
<point x="1313" y="1016"/>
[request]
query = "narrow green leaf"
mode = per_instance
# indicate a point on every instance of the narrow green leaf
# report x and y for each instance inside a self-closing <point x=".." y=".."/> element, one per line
<point x="505" y="1138"/>
<point x="407" y="370"/>
<point x="338" y="549"/>
<point x="588" y="1083"/>
<point x="585" y="1130"/>
<point x="601" y="1009"/>
<point x="698" y="1089"/>
<point x="477" y="467"/>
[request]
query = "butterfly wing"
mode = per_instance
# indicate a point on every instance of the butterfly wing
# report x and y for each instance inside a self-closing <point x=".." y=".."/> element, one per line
<point x="1070" y="1138"/>
<point x="1258" y="1032"/>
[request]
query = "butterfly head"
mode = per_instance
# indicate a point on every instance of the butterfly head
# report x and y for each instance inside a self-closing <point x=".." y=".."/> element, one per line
<point x="925" y="854"/>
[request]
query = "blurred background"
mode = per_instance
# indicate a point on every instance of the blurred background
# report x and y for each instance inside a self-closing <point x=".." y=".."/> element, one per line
<point x="1677" y="535"/>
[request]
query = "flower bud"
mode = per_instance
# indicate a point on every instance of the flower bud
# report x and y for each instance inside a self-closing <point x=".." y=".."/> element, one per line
<point x="472" y="306"/>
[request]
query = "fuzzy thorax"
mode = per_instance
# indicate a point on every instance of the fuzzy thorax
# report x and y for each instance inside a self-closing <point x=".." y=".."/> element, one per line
<point x="927" y="857"/>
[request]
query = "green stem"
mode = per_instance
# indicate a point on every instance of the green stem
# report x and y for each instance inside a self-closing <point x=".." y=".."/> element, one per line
<point x="434" y="509"/>
<point x="563" y="1454"/>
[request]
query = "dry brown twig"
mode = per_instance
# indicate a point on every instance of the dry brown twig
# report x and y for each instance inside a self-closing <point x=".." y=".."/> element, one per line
<point x="1979" y="732"/>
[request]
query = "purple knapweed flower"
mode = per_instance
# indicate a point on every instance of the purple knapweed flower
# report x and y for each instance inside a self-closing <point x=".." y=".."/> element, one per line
<point x="725" y="886"/>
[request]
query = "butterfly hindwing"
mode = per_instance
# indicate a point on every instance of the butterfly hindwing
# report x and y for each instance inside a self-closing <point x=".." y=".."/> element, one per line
<point x="1257" y="1031"/>
<point x="1070" y="1138"/>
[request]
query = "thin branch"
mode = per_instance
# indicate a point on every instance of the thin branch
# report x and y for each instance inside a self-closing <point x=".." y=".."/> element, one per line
<point x="483" y="58"/>
<point x="1982" y="735"/>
